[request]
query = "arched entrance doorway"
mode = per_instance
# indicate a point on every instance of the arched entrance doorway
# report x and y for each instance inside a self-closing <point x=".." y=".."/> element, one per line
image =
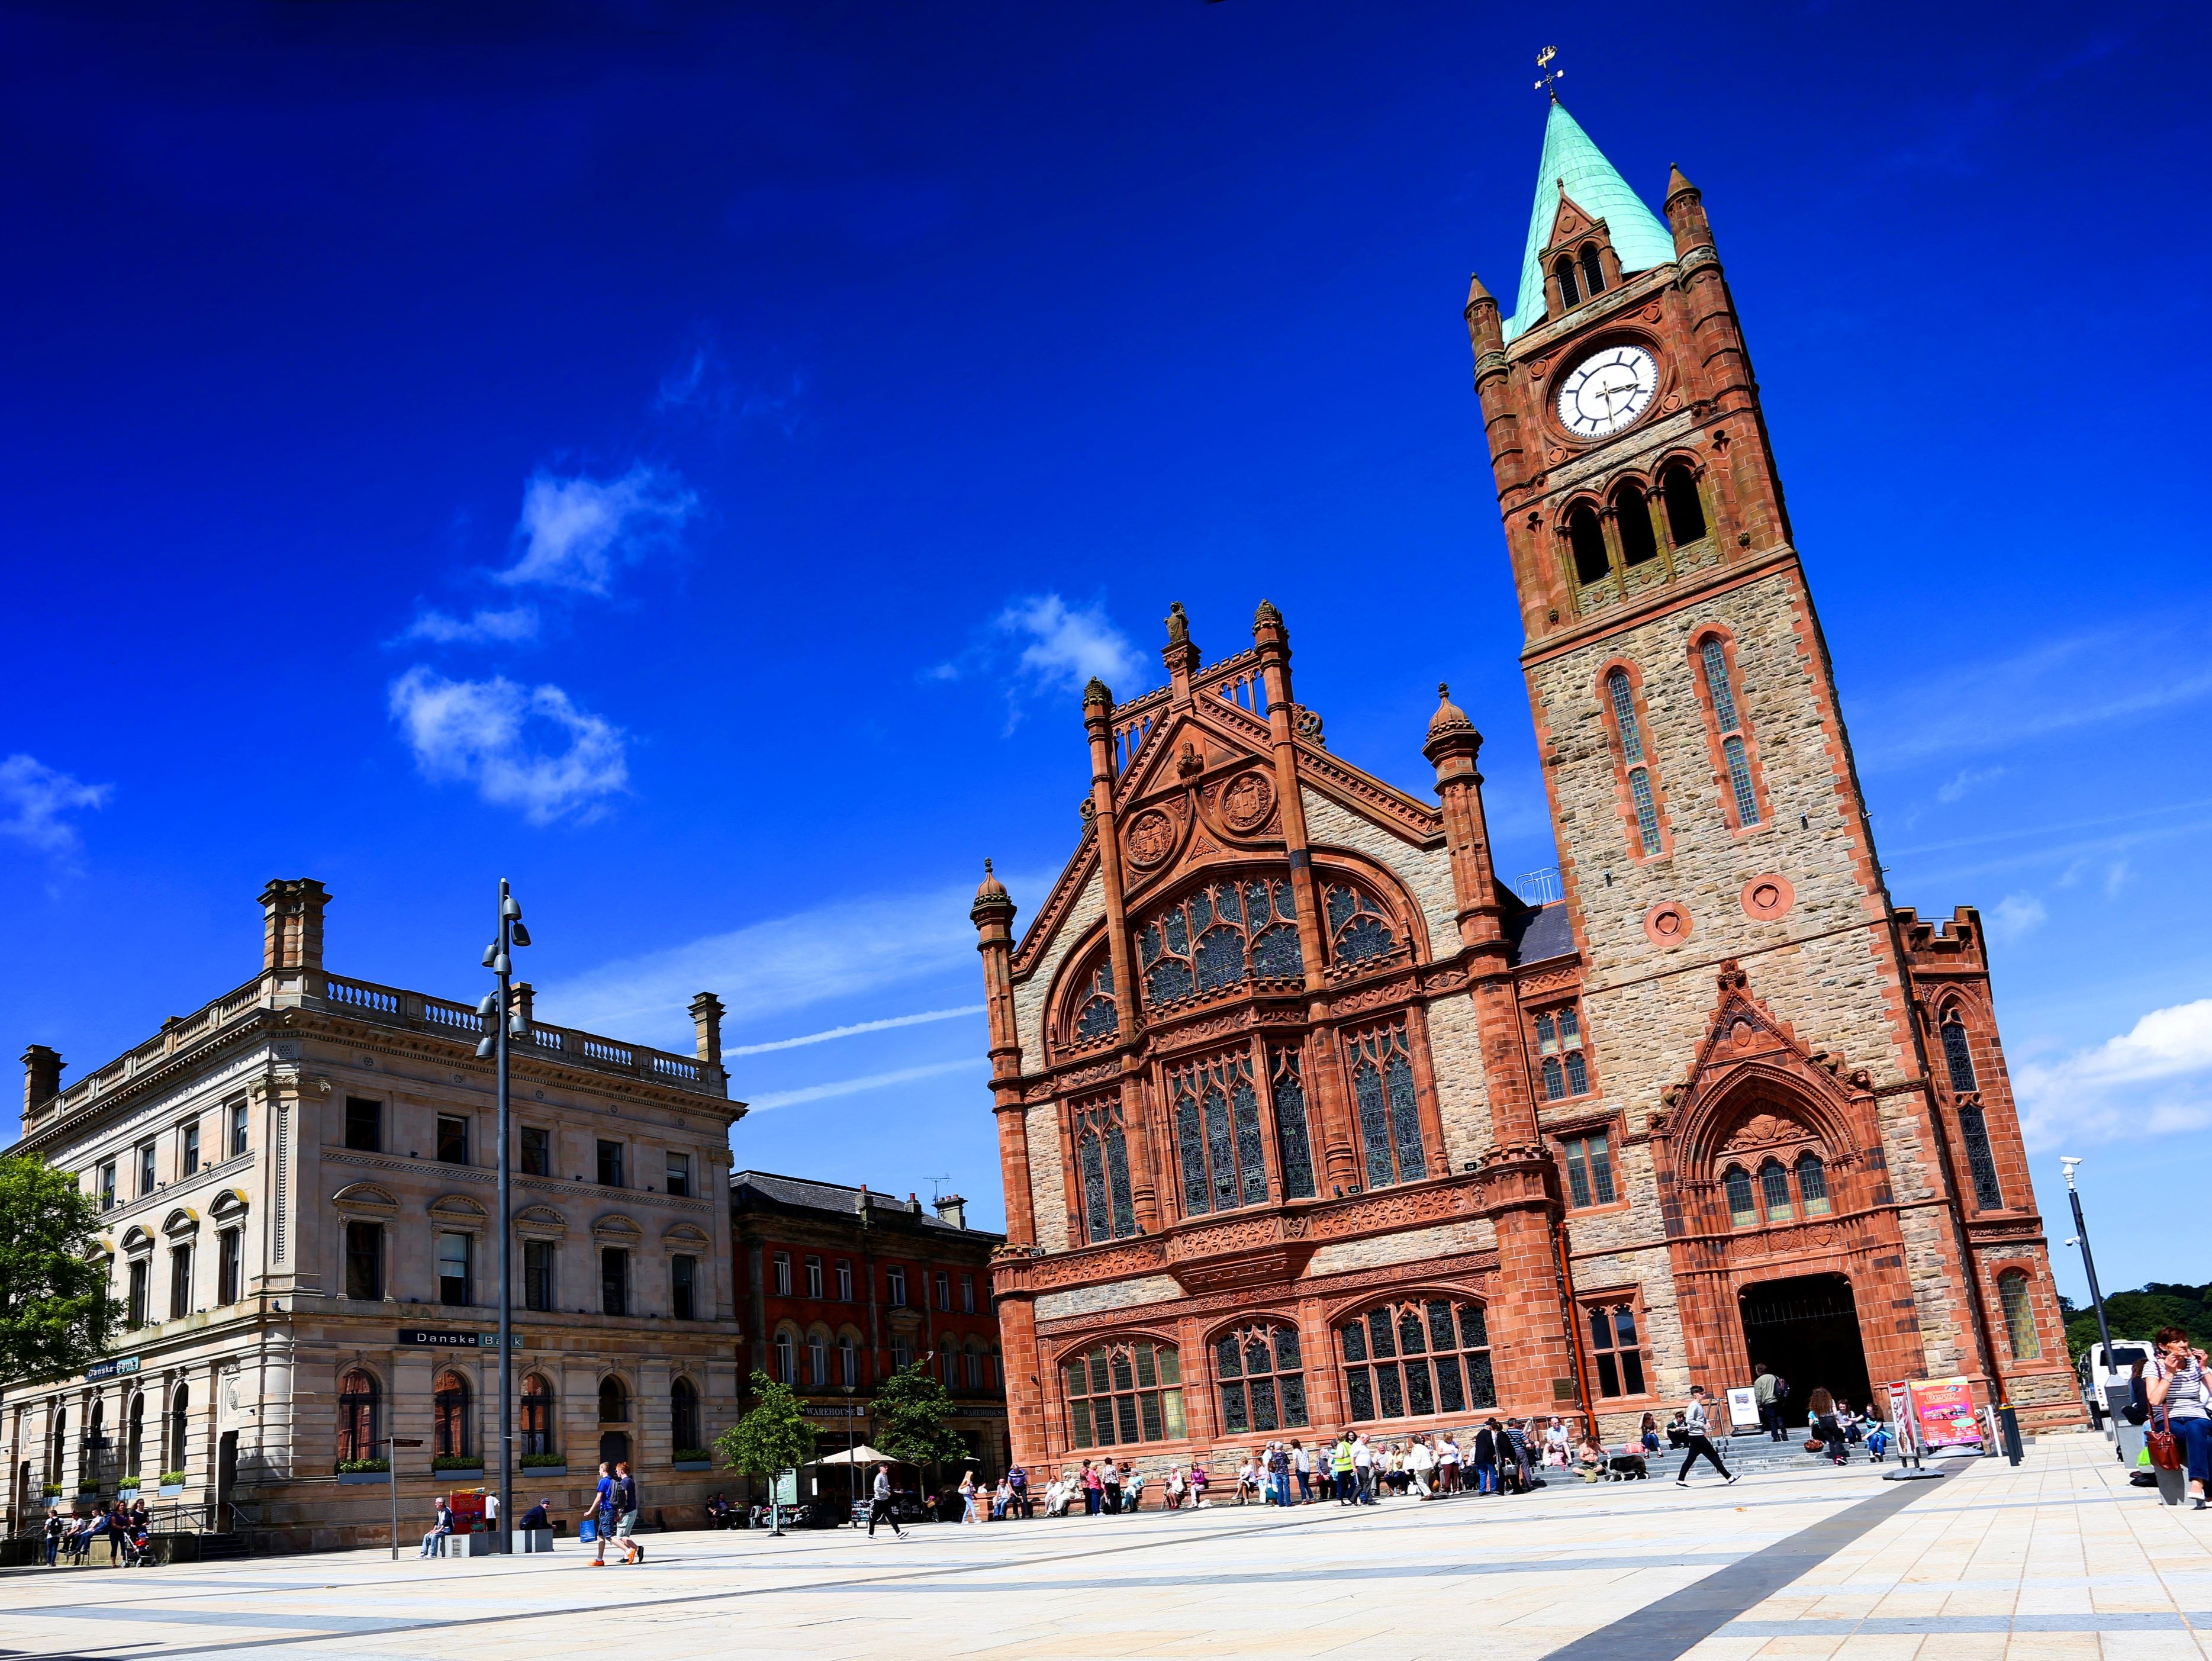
<point x="1806" y="1330"/>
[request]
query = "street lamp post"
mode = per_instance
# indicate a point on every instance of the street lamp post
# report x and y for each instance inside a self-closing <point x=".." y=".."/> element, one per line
<point x="2096" y="1296"/>
<point x="508" y="1024"/>
<point x="852" y="1470"/>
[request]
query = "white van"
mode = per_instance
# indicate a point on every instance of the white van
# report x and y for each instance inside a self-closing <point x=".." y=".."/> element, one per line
<point x="2098" y="1377"/>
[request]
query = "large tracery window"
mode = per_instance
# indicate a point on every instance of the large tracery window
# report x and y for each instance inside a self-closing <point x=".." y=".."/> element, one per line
<point x="1218" y="1139"/>
<point x="1095" y="1013"/>
<point x="1102" y="1159"/>
<point x="1217" y="936"/>
<point x="1358" y="927"/>
<point x="1414" y="1359"/>
<point x="1124" y="1392"/>
<point x="1390" y="1115"/>
<point x="1263" y="1386"/>
<point x="1286" y="1082"/>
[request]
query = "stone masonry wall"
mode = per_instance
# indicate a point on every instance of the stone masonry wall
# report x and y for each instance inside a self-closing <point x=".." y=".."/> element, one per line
<point x="1826" y="967"/>
<point x="1048" y="1182"/>
<point x="1462" y="1092"/>
<point x="1425" y="871"/>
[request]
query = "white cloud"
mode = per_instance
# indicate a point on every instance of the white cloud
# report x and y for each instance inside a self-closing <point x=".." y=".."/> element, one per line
<point x="34" y="798"/>
<point x="845" y="948"/>
<point x="2155" y="1078"/>
<point x="491" y="734"/>
<point x="573" y="531"/>
<point x="1066" y="647"/>
<point x="854" y="1029"/>
<point x="816" y="1092"/>
<point x="2016" y="915"/>
<point x="1955" y="789"/>
<point x="516" y="623"/>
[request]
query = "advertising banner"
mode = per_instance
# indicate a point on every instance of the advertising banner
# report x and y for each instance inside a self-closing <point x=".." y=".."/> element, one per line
<point x="1943" y="1413"/>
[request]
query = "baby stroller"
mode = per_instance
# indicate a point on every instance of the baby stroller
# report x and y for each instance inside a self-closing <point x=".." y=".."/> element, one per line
<point x="137" y="1548"/>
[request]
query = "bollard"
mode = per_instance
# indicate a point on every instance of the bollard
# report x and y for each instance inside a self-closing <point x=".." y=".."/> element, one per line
<point x="2009" y="1432"/>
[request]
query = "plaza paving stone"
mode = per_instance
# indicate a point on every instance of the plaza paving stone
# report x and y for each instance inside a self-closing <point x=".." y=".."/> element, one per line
<point x="2059" y="1558"/>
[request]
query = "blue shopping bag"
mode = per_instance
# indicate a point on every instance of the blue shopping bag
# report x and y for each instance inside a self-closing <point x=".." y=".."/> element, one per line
<point x="588" y="1529"/>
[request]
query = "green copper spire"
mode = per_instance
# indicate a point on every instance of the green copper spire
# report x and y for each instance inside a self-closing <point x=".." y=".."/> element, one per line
<point x="1637" y="236"/>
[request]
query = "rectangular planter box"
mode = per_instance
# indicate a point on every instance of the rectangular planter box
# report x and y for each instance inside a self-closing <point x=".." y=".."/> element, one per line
<point x="172" y="1490"/>
<point x="353" y="1476"/>
<point x="127" y="1493"/>
<point x="456" y="1473"/>
<point x="694" y="1464"/>
<point x="530" y="1473"/>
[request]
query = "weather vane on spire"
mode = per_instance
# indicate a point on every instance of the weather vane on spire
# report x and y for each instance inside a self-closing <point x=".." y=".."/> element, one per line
<point x="1550" y="83"/>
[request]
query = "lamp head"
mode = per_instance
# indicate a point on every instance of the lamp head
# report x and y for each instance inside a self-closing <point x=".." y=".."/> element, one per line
<point x="519" y="936"/>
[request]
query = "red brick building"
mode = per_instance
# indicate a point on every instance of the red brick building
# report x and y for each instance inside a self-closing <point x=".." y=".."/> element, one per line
<point x="839" y="1286"/>
<point x="1307" y="1118"/>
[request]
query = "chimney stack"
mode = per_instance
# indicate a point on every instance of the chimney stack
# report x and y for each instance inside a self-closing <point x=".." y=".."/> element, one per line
<point x="706" y="1025"/>
<point x="42" y="1077"/>
<point x="292" y="924"/>
<point x="952" y="1208"/>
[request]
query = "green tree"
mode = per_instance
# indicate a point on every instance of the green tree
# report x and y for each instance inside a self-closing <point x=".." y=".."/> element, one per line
<point x="910" y="1412"/>
<point x="774" y="1436"/>
<point x="55" y="1311"/>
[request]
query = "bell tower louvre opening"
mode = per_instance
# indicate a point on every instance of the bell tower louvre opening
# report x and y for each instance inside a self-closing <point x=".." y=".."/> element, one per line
<point x="1806" y="1331"/>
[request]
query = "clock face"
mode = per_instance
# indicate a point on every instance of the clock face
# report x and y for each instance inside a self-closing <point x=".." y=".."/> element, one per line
<point x="1607" y="391"/>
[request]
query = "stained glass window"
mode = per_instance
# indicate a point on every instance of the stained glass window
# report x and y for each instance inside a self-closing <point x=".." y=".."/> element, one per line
<point x="1124" y="1392"/>
<point x="1981" y="1162"/>
<point x="1358" y="927"/>
<point x="1743" y="1211"/>
<point x="1559" y="1042"/>
<point x="1095" y="1015"/>
<point x="1417" y="1358"/>
<point x="1102" y="1164"/>
<point x="2019" y="1315"/>
<point x="1263" y="1386"/>
<point x="1623" y="715"/>
<point x="1217" y="936"/>
<point x="1813" y="1184"/>
<point x="1288" y="1087"/>
<point x="1388" y="1112"/>
<point x="1647" y="811"/>
<point x="1957" y="1056"/>
<point x="1589" y="1170"/>
<point x="1774" y="1185"/>
<point x="1219" y="1146"/>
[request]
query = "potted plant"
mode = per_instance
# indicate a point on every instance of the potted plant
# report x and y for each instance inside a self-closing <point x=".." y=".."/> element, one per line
<point x="546" y="1464"/>
<point x="360" y="1471"/>
<point x="693" y="1459"/>
<point x="172" y="1484"/>
<point x="127" y="1490"/>
<point x="468" y="1462"/>
<point x="52" y="1490"/>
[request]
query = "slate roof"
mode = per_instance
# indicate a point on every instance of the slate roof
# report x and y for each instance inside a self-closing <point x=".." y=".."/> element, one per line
<point x="1539" y="933"/>
<point x="837" y="1199"/>
<point x="1639" y="237"/>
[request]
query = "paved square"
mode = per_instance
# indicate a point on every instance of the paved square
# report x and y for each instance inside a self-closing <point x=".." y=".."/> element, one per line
<point x="2058" y="1558"/>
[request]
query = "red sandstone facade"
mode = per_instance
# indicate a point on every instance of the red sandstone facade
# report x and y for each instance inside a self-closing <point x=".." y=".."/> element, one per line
<point x="1307" y="1119"/>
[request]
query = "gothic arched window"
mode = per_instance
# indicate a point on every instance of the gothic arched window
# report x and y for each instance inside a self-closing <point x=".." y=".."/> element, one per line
<point x="2019" y="1315"/>
<point x="1123" y="1392"/>
<point x="1743" y="1210"/>
<point x="1812" y="1184"/>
<point x="1559" y="1042"/>
<point x="1218" y="935"/>
<point x="1358" y="927"/>
<point x="1727" y="723"/>
<point x="1587" y="540"/>
<point x="1774" y="1188"/>
<point x="1973" y="1124"/>
<point x="1631" y="733"/>
<point x="1593" y="270"/>
<point x="1390" y="1115"/>
<point x="1286" y="1082"/>
<point x="1095" y="1015"/>
<point x="1957" y="1056"/>
<point x="1263" y="1383"/>
<point x="1219" y="1146"/>
<point x="1633" y="516"/>
<point x="1102" y="1165"/>
<point x="1686" y="514"/>
<point x="1570" y="295"/>
<point x="1412" y="1359"/>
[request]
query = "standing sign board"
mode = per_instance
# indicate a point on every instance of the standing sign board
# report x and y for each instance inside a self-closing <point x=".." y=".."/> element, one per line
<point x="786" y="1487"/>
<point x="1743" y="1407"/>
<point x="1943" y="1414"/>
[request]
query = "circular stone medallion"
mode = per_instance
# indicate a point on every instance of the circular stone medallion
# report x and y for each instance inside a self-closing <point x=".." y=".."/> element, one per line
<point x="1668" y="923"/>
<point x="1769" y="898"/>
<point x="1150" y="837"/>
<point x="1247" y="801"/>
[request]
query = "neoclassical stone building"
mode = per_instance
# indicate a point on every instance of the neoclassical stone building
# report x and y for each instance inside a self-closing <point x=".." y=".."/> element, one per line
<point x="1308" y="1119"/>
<point x="298" y="1194"/>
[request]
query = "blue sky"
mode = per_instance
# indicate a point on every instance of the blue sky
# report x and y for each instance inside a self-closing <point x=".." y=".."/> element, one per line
<point x="686" y="459"/>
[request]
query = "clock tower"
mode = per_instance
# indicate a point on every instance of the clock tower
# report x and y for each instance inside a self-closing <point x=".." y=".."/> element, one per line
<point x="1771" y="1043"/>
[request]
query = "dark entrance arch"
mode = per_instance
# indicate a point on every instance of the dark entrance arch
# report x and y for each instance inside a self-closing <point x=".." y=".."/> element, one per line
<point x="1806" y="1330"/>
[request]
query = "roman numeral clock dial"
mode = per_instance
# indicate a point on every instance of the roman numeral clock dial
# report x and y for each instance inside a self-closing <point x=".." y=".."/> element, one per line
<point x="1607" y="391"/>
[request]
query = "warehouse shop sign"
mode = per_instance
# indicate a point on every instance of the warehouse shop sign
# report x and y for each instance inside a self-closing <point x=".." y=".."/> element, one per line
<point x="446" y="1338"/>
<point x="120" y="1368"/>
